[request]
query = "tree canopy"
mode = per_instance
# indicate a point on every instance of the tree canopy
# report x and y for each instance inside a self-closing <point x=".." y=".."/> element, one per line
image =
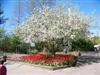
<point x="53" y="23"/>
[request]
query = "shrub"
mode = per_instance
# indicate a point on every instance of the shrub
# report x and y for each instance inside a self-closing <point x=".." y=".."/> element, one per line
<point x="17" y="45"/>
<point x="83" y="45"/>
<point x="33" y="51"/>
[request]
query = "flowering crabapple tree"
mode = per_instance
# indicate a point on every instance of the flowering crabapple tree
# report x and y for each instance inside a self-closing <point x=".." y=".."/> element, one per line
<point x="50" y="24"/>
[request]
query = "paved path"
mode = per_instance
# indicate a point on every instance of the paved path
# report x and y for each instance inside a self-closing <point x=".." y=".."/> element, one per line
<point x="22" y="69"/>
<point x="19" y="68"/>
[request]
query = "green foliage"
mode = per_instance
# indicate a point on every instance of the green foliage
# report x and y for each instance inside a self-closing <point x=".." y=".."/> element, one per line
<point x="5" y="44"/>
<point x="13" y="44"/>
<point x="1" y="53"/>
<point x="96" y="39"/>
<point x="83" y="45"/>
<point x="47" y="56"/>
<point x="2" y="33"/>
<point x="33" y="51"/>
<point x="17" y="45"/>
<point x="2" y="17"/>
<point x="51" y="45"/>
<point x="4" y="41"/>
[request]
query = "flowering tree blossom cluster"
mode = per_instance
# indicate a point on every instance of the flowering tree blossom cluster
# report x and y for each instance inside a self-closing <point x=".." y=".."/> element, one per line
<point x="53" y="23"/>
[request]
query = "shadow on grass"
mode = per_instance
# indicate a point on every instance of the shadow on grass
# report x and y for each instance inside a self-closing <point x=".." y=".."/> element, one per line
<point x="86" y="59"/>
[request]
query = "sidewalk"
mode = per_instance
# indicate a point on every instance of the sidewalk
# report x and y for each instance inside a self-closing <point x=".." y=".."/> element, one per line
<point x="24" y="69"/>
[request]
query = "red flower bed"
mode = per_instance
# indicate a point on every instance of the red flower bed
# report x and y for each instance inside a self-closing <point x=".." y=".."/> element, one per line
<point x="47" y="58"/>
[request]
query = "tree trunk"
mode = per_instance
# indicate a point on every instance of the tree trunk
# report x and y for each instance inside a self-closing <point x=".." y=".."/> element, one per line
<point x="53" y="49"/>
<point x="53" y="53"/>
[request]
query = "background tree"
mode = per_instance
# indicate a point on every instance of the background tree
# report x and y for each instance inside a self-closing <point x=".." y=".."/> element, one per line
<point x="3" y="40"/>
<point x="83" y="44"/>
<point x="2" y="17"/>
<point x="17" y="45"/>
<point x="96" y="39"/>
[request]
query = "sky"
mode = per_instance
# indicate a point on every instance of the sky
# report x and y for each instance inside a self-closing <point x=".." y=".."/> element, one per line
<point x="90" y="7"/>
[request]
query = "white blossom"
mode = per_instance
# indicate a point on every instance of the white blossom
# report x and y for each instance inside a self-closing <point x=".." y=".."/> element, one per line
<point x="52" y="23"/>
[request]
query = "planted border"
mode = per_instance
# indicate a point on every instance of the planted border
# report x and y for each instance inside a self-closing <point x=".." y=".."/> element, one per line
<point x="45" y="60"/>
